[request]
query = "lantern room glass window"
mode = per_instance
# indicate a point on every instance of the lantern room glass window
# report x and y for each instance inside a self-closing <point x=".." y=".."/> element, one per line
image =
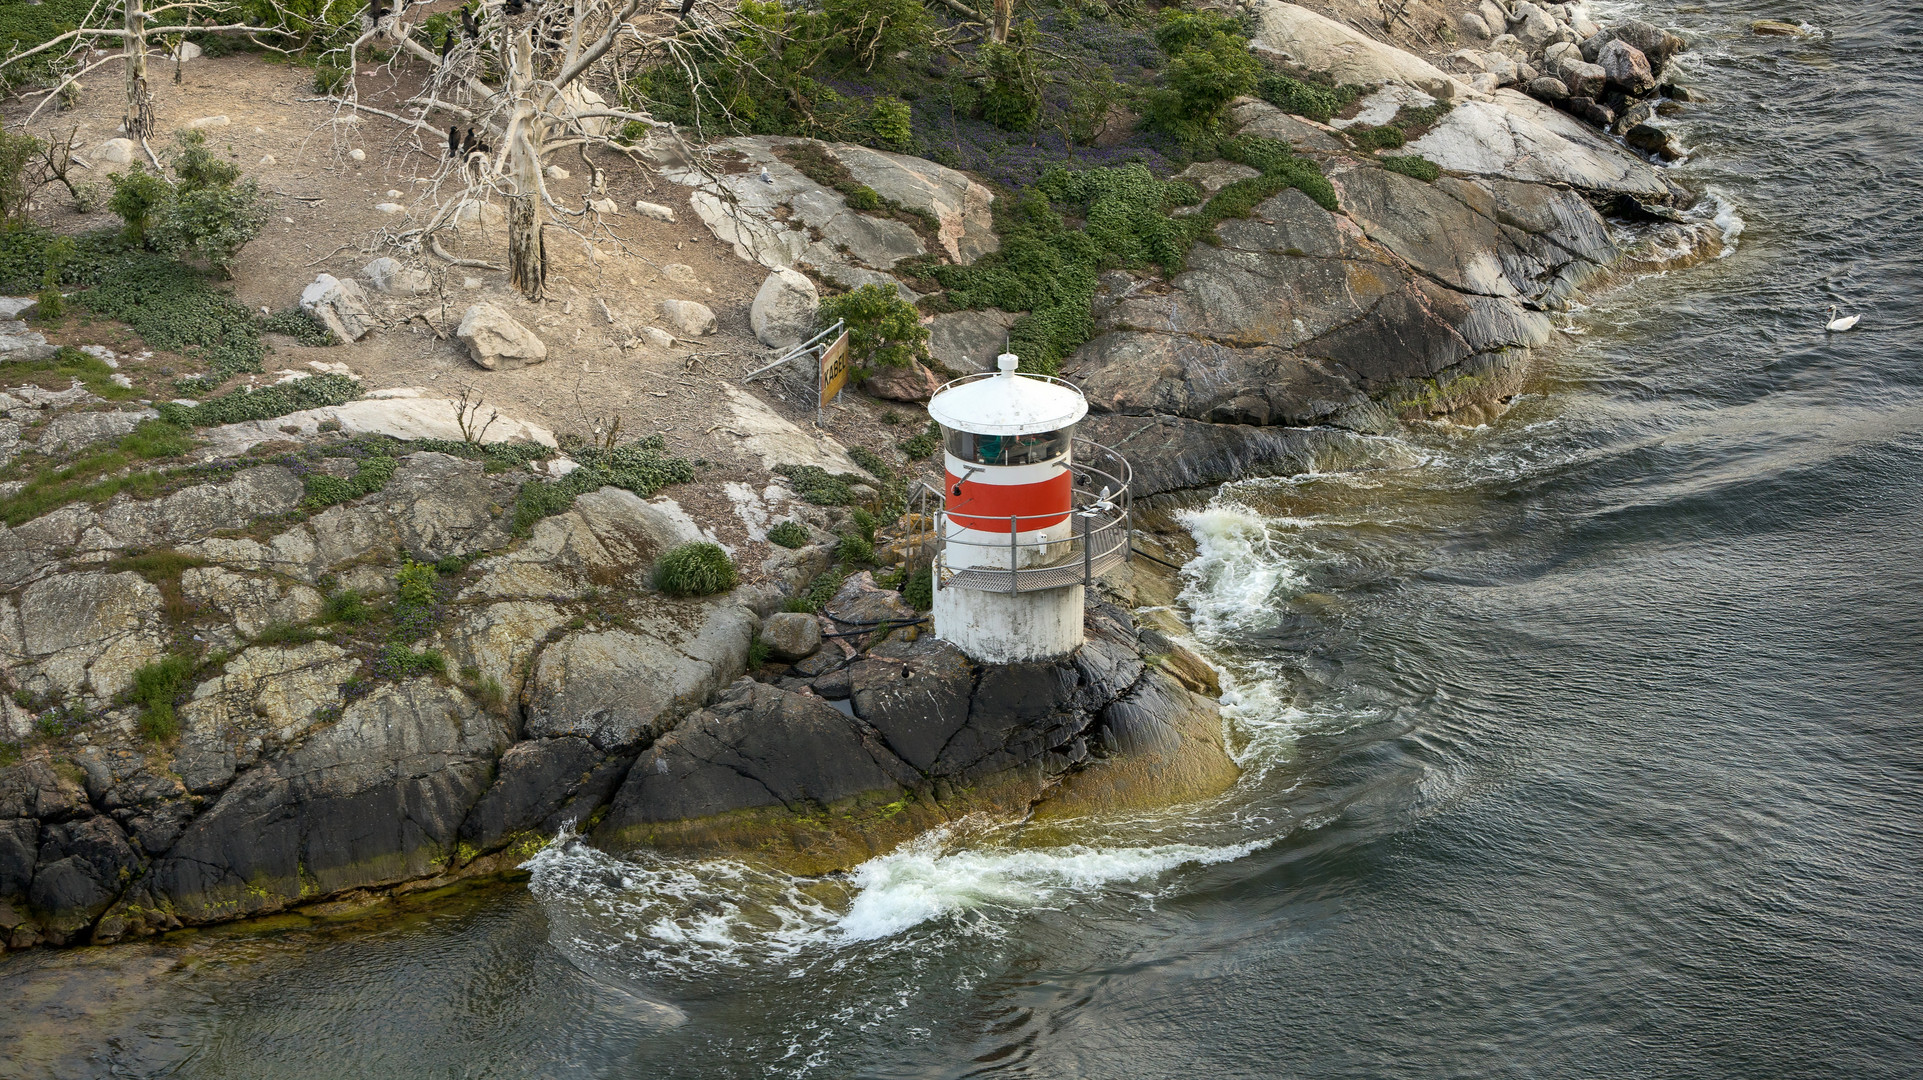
<point x="1008" y="449"/>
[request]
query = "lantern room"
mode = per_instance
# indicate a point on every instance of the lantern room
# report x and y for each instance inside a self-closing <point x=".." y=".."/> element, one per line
<point x="1029" y="515"/>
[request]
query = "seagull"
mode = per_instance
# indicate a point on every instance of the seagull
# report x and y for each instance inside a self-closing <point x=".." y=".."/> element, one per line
<point x="1839" y="324"/>
<point x="765" y="178"/>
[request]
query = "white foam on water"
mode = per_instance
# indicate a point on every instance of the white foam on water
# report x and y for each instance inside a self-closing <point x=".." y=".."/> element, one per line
<point x="1237" y="573"/>
<point x="1727" y="220"/>
<point x="925" y="880"/>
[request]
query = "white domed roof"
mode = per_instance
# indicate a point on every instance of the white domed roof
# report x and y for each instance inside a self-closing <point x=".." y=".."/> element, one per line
<point x="1007" y="403"/>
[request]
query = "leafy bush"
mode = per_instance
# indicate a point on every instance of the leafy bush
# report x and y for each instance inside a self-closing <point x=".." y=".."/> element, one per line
<point x="1209" y="65"/>
<point x="819" y="486"/>
<point x="875" y="30"/>
<point x="699" y="568"/>
<point x="643" y="467"/>
<point x="1318" y="103"/>
<point x="397" y="661"/>
<point x="17" y="153"/>
<point x="919" y="589"/>
<point x="212" y="213"/>
<point x="371" y="474"/>
<point x="1013" y="101"/>
<point x="821" y="590"/>
<point x="871" y="461"/>
<point x="1413" y="165"/>
<point x="417" y="590"/>
<point x="156" y="687"/>
<point x="883" y="329"/>
<point x="265" y="403"/>
<point x="923" y="445"/>
<point x="788" y="534"/>
<point x="856" y="549"/>
<point x="347" y="606"/>
<point x="1377" y="138"/>
<point x="138" y="199"/>
<point x="891" y="121"/>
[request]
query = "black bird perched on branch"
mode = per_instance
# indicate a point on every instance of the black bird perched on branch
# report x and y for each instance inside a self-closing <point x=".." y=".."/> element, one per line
<point x="686" y="7"/>
<point x="447" y="45"/>
<point x="454" y="141"/>
<point x="468" y="24"/>
<point x="467" y="144"/>
<point x="375" y="12"/>
<point x="513" y="7"/>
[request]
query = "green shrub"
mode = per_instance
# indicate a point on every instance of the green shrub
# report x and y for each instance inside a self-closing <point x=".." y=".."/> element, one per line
<point x="922" y="445"/>
<point x="397" y="661"/>
<point x="371" y="474"/>
<point x="758" y="653"/>
<point x="1377" y="138"/>
<point x="156" y="687"/>
<point x="871" y="461"/>
<point x="821" y="590"/>
<point x="347" y="606"/>
<point x="17" y="153"/>
<point x="1013" y="101"/>
<point x="699" y="568"/>
<point x="883" y="329"/>
<point x="891" y="121"/>
<point x="265" y="403"/>
<point x="919" y="590"/>
<point x="875" y="30"/>
<point x="1413" y="165"/>
<point x="643" y="467"/>
<point x="1209" y="65"/>
<point x="417" y="591"/>
<point x="138" y="198"/>
<point x="855" y="549"/>
<point x="789" y="534"/>
<point x="1318" y="103"/>
<point x="819" y="486"/>
<point x="282" y="633"/>
<point x="862" y="197"/>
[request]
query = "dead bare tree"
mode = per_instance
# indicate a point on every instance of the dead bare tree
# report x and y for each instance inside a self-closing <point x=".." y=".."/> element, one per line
<point x="519" y="81"/>
<point x="74" y="52"/>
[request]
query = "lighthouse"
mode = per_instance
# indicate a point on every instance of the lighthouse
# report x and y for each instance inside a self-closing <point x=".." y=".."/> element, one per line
<point x="1030" y="515"/>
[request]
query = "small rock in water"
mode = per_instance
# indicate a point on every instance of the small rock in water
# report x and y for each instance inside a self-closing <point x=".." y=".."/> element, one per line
<point x="1776" y="28"/>
<point x="1651" y="140"/>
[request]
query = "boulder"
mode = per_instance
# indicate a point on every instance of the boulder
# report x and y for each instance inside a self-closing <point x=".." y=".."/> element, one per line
<point x="1324" y="45"/>
<point x="619" y="689"/>
<point x="969" y="341"/>
<point x="911" y="383"/>
<point x="1548" y="89"/>
<point x="116" y="152"/>
<point x="1517" y="137"/>
<point x="376" y="798"/>
<point x="495" y="341"/>
<point x="541" y="787"/>
<point x="1472" y="25"/>
<point x="1656" y="45"/>
<point x="17" y="342"/>
<point x="1651" y="139"/>
<point x="1626" y="67"/>
<point x="341" y="306"/>
<point x="1494" y="16"/>
<point x="791" y="635"/>
<point x="1553" y="56"/>
<point x="17" y="307"/>
<point x="1253" y="116"/>
<point x="783" y="314"/>
<point x="689" y="318"/>
<point x="391" y="276"/>
<point x="1583" y="79"/>
<point x="77" y="430"/>
<point x="1533" y="26"/>
<point x="654" y="210"/>
<point x="1776" y="28"/>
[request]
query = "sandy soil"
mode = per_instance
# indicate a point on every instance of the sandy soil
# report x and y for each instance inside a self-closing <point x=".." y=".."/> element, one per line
<point x="325" y="221"/>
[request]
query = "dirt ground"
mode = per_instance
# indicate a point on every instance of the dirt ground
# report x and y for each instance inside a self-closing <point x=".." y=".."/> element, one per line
<point x="325" y="221"/>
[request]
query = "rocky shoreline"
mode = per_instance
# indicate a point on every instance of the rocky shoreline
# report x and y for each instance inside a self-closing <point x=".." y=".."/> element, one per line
<point x="565" y="691"/>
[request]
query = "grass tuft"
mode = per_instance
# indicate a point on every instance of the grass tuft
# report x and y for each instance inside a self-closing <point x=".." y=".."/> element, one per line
<point x="699" y="568"/>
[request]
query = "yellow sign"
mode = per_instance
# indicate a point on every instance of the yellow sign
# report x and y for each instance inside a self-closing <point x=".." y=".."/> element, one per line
<point x="834" y="369"/>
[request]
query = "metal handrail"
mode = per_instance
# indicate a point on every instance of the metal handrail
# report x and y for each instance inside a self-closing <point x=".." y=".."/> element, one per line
<point x="980" y="375"/>
<point x="1099" y="540"/>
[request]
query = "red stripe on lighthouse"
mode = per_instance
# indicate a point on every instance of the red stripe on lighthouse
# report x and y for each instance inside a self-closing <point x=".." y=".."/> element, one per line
<point x="987" y="507"/>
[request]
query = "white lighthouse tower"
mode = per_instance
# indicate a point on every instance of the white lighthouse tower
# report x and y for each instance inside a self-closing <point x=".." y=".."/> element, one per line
<point x="1030" y="515"/>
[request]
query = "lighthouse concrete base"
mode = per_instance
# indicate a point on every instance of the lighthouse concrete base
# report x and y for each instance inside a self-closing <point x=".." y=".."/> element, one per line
<point x="1000" y="628"/>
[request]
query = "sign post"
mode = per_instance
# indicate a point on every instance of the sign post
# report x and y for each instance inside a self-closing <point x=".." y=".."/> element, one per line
<point x="834" y="372"/>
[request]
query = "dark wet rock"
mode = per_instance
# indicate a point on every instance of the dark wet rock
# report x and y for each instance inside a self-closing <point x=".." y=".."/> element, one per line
<point x="1651" y="139"/>
<point x="1628" y="68"/>
<point x="19" y="850"/>
<point x="82" y="867"/>
<point x="917" y="703"/>
<point x="791" y="635"/>
<point x="1591" y="111"/>
<point x="376" y="798"/>
<point x="1654" y="43"/>
<point x="542" y="786"/>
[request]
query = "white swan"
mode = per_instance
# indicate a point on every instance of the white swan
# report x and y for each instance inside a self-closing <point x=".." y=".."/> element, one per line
<point x="1837" y="325"/>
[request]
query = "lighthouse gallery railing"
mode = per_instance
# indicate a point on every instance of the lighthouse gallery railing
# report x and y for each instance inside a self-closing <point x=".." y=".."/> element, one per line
<point x="1098" y="542"/>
